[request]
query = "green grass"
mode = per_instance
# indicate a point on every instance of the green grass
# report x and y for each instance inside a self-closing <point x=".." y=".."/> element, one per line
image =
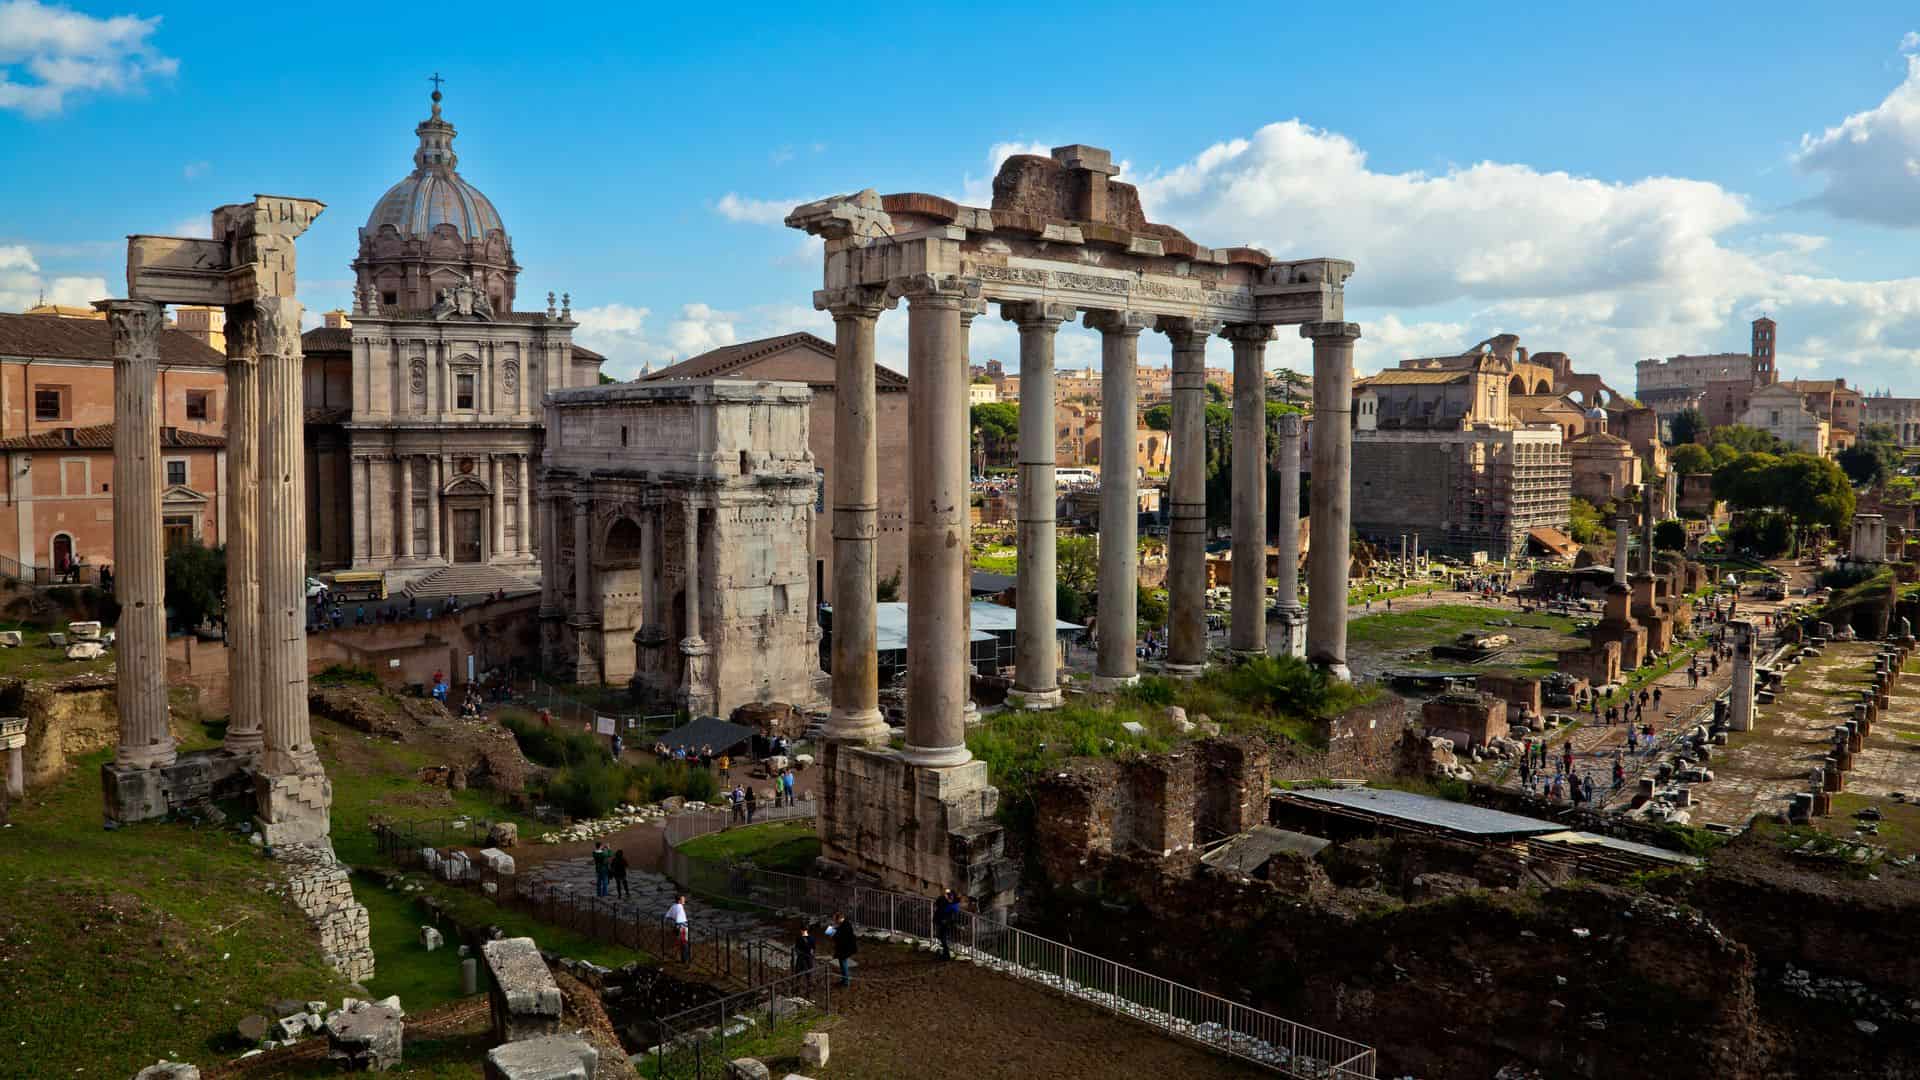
<point x="374" y="776"/>
<point x="787" y="846"/>
<point x="1362" y="593"/>
<point x="120" y="948"/>
<point x="468" y="907"/>
<point x="1444" y="622"/>
<point x="402" y="965"/>
<point x="776" y="1045"/>
<point x="998" y="560"/>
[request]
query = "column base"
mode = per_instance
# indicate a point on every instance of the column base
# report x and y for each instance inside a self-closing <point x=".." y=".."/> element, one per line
<point x="1336" y="669"/>
<point x="245" y="743"/>
<point x="1241" y="656"/>
<point x="936" y="757"/>
<point x="158" y="755"/>
<point x="695" y="694"/>
<point x="1291" y="631"/>
<point x="1035" y="700"/>
<point x="294" y="808"/>
<point x="914" y="828"/>
<point x="197" y="777"/>
<point x="1107" y="684"/>
<point x="863" y="727"/>
<point x="1183" y="671"/>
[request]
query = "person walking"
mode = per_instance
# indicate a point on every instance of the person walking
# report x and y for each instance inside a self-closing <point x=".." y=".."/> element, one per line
<point x="845" y="944"/>
<point x="738" y="799"/>
<point x="803" y="947"/>
<point x="677" y="915"/>
<point x="753" y="803"/>
<point x="602" y="867"/>
<point x="786" y="781"/>
<point x="946" y="915"/>
<point x="618" y="867"/>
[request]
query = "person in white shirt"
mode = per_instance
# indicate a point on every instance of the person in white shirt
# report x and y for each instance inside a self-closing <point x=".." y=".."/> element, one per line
<point x="677" y="914"/>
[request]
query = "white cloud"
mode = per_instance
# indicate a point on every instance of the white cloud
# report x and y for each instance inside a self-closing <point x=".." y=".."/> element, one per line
<point x="22" y="283"/>
<point x="756" y="211"/>
<point x="1910" y="41"/>
<point x="1871" y="160"/>
<point x="781" y="155"/>
<point x="200" y="225"/>
<point x="626" y="333"/>
<point x="48" y="52"/>
<point x="194" y="170"/>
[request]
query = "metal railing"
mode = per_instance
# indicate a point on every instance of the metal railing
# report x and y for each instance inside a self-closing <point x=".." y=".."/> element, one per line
<point x="694" y="1045"/>
<point x="1214" y="1022"/>
<point x="685" y="826"/>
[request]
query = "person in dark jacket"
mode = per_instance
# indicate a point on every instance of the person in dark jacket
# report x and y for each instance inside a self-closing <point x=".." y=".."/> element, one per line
<point x="845" y="944"/>
<point x="803" y="950"/>
<point x="619" y="870"/>
<point x="946" y="915"/>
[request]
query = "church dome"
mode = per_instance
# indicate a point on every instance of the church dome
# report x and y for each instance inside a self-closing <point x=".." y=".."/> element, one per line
<point x="434" y="194"/>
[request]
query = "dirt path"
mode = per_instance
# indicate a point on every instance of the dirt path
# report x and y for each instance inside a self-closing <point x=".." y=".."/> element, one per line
<point x="909" y="1014"/>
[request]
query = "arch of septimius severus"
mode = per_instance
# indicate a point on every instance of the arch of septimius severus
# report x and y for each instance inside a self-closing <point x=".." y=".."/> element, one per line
<point x="1062" y="239"/>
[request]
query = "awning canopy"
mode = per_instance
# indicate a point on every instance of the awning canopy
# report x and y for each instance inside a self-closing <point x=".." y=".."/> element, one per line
<point x="710" y="731"/>
<point x="1553" y="541"/>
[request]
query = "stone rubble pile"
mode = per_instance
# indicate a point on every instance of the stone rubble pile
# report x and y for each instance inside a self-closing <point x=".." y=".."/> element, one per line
<point x="1850" y="993"/>
<point x="295" y="1020"/>
<point x="624" y="816"/>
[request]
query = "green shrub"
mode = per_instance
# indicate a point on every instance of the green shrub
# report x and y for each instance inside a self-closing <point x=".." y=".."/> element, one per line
<point x="555" y="749"/>
<point x="337" y="674"/>
<point x="589" y="789"/>
<point x="700" y="785"/>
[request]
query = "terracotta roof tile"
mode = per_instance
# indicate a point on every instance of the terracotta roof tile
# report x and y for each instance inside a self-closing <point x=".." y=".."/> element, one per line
<point x="728" y="359"/>
<point x="100" y="437"/>
<point x="53" y="338"/>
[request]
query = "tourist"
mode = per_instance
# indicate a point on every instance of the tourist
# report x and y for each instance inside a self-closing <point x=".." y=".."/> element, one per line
<point x="725" y="765"/>
<point x="677" y="915"/>
<point x="803" y="951"/>
<point x="786" y="781"/>
<point x="618" y="868"/>
<point x="845" y="944"/>
<point x="753" y="803"/>
<point x="737" y="798"/>
<point x="602" y="867"/>
<point x="618" y="748"/>
<point x="1656" y="699"/>
<point x="946" y="915"/>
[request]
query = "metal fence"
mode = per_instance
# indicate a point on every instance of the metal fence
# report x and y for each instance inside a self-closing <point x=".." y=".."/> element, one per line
<point x="1283" y="1045"/>
<point x="685" y="826"/>
<point x="698" y="1043"/>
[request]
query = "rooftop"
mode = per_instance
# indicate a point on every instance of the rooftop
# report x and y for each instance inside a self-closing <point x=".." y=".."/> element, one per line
<point x="49" y="337"/>
<point x="1426" y="810"/>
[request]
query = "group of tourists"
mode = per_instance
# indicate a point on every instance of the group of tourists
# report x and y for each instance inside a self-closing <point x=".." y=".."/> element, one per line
<point x="841" y="940"/>
<point x="609" y="869"/>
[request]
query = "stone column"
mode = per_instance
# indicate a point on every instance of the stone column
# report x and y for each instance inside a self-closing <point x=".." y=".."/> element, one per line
<point x="1118" y="620"/>
<point x="283" y="548"/>
<point x="403" y="538"/>
<point x="1332" y="495"/>
<point x="17" y="767"/>
<point x="435" y="482"/>
<point x="498" y="507"/>
<point x="1187" y="531"/>
<point x="855" y="678"/>
<point x="697" y="696"/>
<point x="1248" y="633"/>
<point x="1740" y="716"/>
<point x="140" y="637"/>
<point x="244" y="734"/>
<point x="1622" y="530"/>
<point x="938" y="686"/>
<point x="1036" y="649"/>
<point x="523" y="536"/>
<point x="582" y="558"/>
<point x="362" y="508"/>
<point x="1292" y="618"/>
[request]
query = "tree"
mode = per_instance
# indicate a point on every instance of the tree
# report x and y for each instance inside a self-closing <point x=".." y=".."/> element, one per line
<point x="1670" y="535"/>
<point x="1690" y="458"/>
<point x="1747" y="440"/>
<point x="1289" y="380"/>
<point x="886" y="590"/>
<point x="1584" y="521"/>
<point x="1687" y="426"/>
<point x="1872" y="458"/>
<point x="1150" y="609"/>
<point x="1745" y="482"/>
<point x="998" y="423"/>
<point x="1160" y="417"/>
<point x="1216" y="393"/>
<point x="196" y="583"/>
<point x="1722" y="453"/>
<point x="1814" y="490"/>
<point x="1077" y="562"/>
<point x="1767" y="534"/>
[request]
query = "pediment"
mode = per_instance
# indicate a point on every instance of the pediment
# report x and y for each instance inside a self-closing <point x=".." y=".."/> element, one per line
<point x="180" y="493"/>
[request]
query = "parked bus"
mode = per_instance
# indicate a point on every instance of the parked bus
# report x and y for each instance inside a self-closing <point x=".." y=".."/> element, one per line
<point x="1072" y="476"/>
<point x="360" y="585"/>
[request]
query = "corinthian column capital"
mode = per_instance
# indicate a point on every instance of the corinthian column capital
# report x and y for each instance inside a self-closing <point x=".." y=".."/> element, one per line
<point x="1248" y="333"/>
<point x="1188" y="333"/>
<point x="1037" y="315"/>
<point x="136" y="326"/>
<point x="1335" y="331"/>
<point x="854" y="301"/>
<point x="1123" y="323"/>
<point x="939" y="290"/>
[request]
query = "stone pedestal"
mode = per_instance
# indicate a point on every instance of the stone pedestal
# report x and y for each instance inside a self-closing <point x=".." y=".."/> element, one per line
<point x="1740" y="713"/>
<point x="524" y="999"/>
<point x="293" y="808"/>
<point x="914" y="828"/>
<point x="196" y="777"/>
<point x="696" y="688"/>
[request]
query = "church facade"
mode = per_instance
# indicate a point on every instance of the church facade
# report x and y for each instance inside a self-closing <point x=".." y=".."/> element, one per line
<point x="424" y="403"/>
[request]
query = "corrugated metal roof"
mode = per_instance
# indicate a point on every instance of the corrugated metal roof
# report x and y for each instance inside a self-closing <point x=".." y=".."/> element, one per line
<point x="1587" y="839"/>
<point x="1428" y="810"/>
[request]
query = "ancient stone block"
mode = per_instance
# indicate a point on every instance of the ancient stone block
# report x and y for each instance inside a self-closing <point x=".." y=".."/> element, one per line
<point x="497" y="861"/>
<point x="503" y="834"/>
<point x="548" y="1057"/>
<point x="1468" y="718"/>
<point x="746" y="1069"/>
<point x="813" y="1049"/>
<point x="525" y="1000"/>
<point x="168" y="1070"/>
<point x="431" y="938"/>
<point x="367" y="1036"/>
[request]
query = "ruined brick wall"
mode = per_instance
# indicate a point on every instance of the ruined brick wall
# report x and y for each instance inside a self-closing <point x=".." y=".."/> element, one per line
<point x="319" y="885"/>
<point x="1521" y="693"/>
<point x="1468" y="719"/>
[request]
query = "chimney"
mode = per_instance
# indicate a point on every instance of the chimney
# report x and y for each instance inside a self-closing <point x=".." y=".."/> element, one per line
<point x="1088" y="168"/>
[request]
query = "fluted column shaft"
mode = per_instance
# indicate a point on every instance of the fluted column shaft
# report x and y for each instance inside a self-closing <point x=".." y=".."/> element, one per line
<point x="582" y="559"/>
<point x="362" y="520"/>
<point x="1118" y="617"/>
<point x="140" y="637"/>
<point x="1187" y="529"/>
<point x="1290" y="616"/>
<point x="1248" y="633"/>
<point x="244" y="732"/>
<point x="523" y="535"/>
<point x="855" y="679"/>
<point x="435" y="481"/>
<point x="938" y="686"/>
<point x="404" y="534"/>
<point x="283" y="541"/>
<point x="690" y="559"/>
<point x="1332" y="495"/>
<point x="497" y="507"/>
<point x="1622" y="530"/>
<point x="1036" y="649"/>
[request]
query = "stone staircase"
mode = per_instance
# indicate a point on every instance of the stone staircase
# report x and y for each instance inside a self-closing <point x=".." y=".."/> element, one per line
<point x="467" y="579"/>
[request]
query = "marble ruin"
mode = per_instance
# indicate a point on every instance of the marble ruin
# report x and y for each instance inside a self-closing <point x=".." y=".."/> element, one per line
<point x="247" y="267"/>
<point x="1062" y="238"/>
<point x="702" y="491"/>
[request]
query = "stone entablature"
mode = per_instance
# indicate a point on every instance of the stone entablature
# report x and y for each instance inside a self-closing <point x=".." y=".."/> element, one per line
<point x="699" y="490"/>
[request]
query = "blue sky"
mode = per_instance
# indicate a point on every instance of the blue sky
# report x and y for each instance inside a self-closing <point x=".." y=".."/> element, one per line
<point x="1614" y="183"/>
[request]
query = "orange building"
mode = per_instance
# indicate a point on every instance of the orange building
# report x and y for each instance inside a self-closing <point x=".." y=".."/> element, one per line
<point x="56" y="443"/>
